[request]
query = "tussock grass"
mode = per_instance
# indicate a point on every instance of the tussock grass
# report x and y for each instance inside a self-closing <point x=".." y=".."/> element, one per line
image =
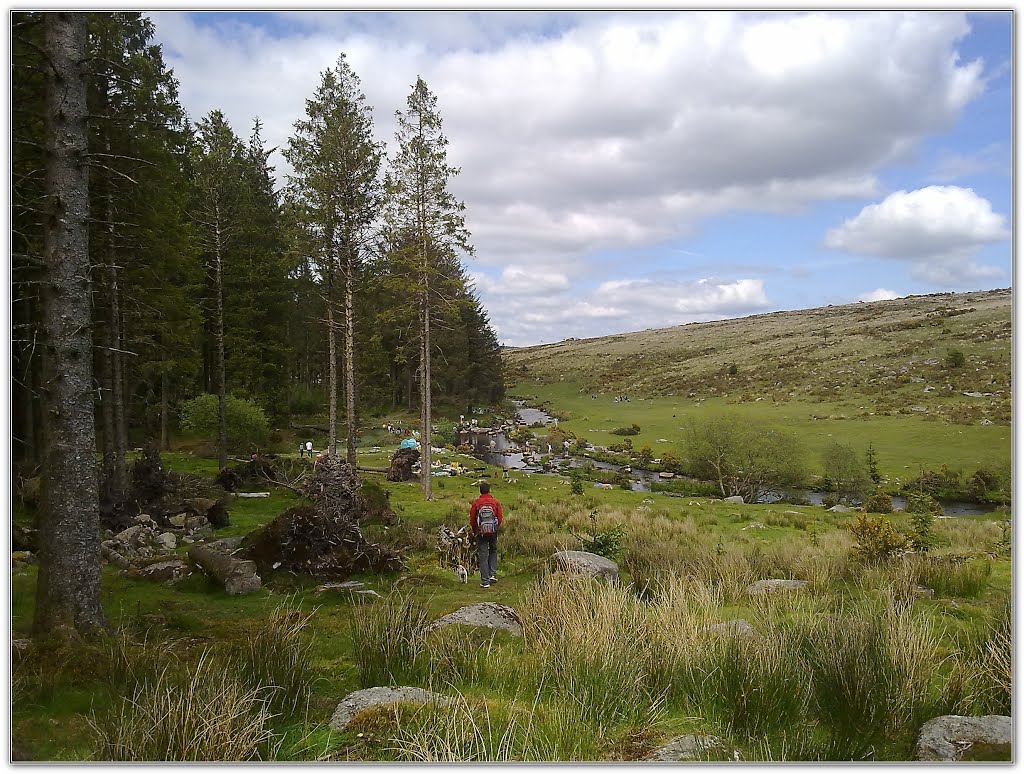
<point x="950" y="576"/>
<point x="205" y="715"/>
<point x="276" y="656"/>
<point x="388" y="642"/>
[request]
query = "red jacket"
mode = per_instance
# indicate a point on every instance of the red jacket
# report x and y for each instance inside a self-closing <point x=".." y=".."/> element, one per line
<point x="485" y="498"/>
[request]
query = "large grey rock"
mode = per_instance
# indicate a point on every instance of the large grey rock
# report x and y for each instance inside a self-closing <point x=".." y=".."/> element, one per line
<point x="131" y="535"/>
<point x="594" y="565"/>
<point x="358" y="701"/>
<point x="734" y="499"/>
<point x="839" y="509"/>
<point x="693" y="748"/>
<point x="946" y="738"/>
<point x="488" y="614"/>
<point x="775" y="584"/>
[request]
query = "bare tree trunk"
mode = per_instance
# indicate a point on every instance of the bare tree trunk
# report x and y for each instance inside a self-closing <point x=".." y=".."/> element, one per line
<point x="68" y="586"/>
<point x="425" y="392"/>
<point x="222" y="390"/>
<point x="118" y="472"/>
<point x="332" y="354"/>
<point x="350" y="369"/>
<point x="164" y="439"/>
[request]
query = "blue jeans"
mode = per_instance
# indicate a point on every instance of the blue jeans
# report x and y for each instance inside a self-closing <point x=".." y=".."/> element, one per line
<point x="487" y="553"/>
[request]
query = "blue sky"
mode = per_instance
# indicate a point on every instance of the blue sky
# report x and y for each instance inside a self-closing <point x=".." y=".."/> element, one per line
<point x="630" y="170"/>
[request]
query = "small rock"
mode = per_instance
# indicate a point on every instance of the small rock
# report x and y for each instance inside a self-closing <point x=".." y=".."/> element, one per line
<point x="736" y="499"/>
<point x="693" y="748"/>
<point x="775" y="584"/>
<point x="839" y="509"/>
<point x="973" y="394"/>
<point x="946" y="738"/>
<point x="346" y="586"/>
<point x="755" y="525"/>
<point x="167" y="540"/>
<point x="24" y="556"/>
<point x="369" y="593"/>
<point x="922" y="592"/>
<point x="164" y="572"/>
<point x="738" y="627"/>
<point x="130" y="535"/>
<point x="178" y="520"/>
<point x="145" y="520"/>
<point x="358" y="701"/>
<point x="918" y="408"/>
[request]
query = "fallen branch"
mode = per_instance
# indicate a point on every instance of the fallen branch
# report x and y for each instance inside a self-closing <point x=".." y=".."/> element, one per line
<point x="237" y="576"/>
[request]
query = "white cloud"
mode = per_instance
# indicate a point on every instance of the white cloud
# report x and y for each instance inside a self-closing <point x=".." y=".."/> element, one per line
<point x="938" y="229"/>
<point x="879" y="294"/>
<point x="616" y="305"/>
<point x="588" y="131"/>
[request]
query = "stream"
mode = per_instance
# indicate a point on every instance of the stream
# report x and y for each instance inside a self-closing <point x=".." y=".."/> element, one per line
<point x="493" y="446"/>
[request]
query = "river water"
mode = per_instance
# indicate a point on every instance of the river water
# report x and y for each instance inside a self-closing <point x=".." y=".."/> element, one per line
<point x="494" y="447"/>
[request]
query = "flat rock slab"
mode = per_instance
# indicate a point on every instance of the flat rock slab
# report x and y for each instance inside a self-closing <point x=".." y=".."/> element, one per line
<point x="948" y="737"/>
<point x="774" y="584"/>
<point x="735" y="499"/>
<point x="489" y="614"/>
<point x="227" y="545"/>
<point x="839" y="509"/>
<point x="693" y="748"/>
<point x="737" y="627"/>
<point x="358" y="701"/>
<point x="344" y="586"/>
<point x="594" y="565"/>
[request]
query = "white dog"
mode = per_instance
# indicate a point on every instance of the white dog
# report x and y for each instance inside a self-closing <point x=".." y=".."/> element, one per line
<point x="463" y="573"/>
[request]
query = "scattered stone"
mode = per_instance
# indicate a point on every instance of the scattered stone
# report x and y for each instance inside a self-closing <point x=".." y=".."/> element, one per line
<point x="918" y="408"/>
<point x="775" y="584"/>
<point x="26" y="557"/>
<point x="226" y="545"/>
<point x="361" y="700"/>
<point x="736" y="499"/>
<point x="488" y="614"/>
<point x="594" y="565"/>
<point x="839" y="509"/>
<point x="986" y="421"/>
<point x="922" y="592"/>
<point x="370" y="593"/>
<point x="948" y="737"/>
<point x="973" y="394"/>
<point x="694" y="748"/>
<point x="738" y="627"/>
<point x="163" y="572"/>
<point x="929" y="388"/>
<point x="130" y="535"/>
<point x="251" y="494"/>
<point x="167" y="540"/>
<point x="755" y="525"/>
<point x="145" y="520"/>
<point x="23" y="538"/>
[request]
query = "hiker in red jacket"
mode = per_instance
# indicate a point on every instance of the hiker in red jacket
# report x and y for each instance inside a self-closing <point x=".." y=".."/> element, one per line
<point x="484" y="521"/>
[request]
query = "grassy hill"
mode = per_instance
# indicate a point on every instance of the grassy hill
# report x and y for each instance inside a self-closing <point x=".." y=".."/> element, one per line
<point x="877" y="373"/>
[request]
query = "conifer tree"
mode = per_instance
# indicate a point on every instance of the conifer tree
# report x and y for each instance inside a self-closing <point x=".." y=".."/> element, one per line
<point x="337" y="189"/>
<point x="422" y="208"/>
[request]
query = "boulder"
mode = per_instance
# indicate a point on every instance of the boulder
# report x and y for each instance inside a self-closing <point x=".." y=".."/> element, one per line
<point x="839" y="509"/>
<point x="735" y="499"/>
<point x="774" y="584"/>
<point x="948" y="737"/>
<point x="487" y="614"/>
<point x="131" y="535"/>
<point x="358" y="701"/>
<point x="694" y="748"/>
<point x="594" y="565"/>
<point x="166" y="540"/>
<point x="145" y="520"/>
<point x="164" y="572"/>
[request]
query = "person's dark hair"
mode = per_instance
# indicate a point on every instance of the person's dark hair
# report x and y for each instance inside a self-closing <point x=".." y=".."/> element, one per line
<point x="484" y="487"/>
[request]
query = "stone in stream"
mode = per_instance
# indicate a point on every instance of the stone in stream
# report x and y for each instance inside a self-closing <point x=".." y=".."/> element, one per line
<point x="358" y="701"/>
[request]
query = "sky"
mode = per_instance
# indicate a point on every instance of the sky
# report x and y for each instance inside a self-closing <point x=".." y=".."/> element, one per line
<point x="625" y="170"/>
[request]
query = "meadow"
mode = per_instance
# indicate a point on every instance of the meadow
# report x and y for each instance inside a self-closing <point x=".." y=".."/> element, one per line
<point x="879" y="640"/>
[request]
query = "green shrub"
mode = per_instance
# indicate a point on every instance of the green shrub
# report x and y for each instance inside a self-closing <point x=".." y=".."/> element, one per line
<point x="879" y="502"/>
<point x="954" y="358"/>
<point x="605" y="542"/>
<point x="246" y="423"/>
<point x="633" y="429"/>
<point x="576" y="478"/>
<point x="877" y="539"/>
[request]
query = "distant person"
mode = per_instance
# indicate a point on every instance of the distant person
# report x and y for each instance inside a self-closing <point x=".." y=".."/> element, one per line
<point x="309" y="449"/>
<point x="485" y="521"/>
<point x="302" y="449"/>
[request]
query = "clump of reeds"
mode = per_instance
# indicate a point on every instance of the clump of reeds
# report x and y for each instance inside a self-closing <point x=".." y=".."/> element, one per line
<point x="388" y="642"/>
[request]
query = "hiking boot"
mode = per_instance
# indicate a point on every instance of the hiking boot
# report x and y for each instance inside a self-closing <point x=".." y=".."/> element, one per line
<point x="493" y="580"/>
<point x="485" y="585"/>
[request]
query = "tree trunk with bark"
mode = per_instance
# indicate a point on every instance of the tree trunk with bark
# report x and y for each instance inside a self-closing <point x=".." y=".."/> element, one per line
<point x="68" y="586"/>
<point x="332" y="354"/>
<point x="350" y="369"/>
<point x="222" y="390"/>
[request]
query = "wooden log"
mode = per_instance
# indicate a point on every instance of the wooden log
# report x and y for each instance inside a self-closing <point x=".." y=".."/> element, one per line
<point x="238" y="576"/>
